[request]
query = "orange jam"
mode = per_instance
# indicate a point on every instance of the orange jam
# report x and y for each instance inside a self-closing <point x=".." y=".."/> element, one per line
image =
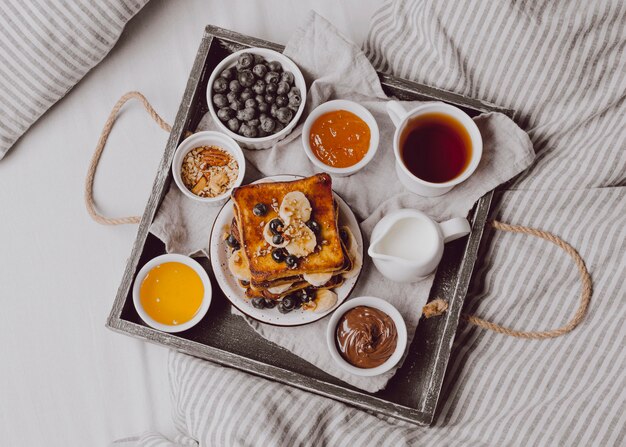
<point x="171" y="293"/>
<point x="339" y="139"/>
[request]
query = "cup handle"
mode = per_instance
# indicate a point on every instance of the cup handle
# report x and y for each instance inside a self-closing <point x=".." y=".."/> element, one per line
<point x="454" y="228"/>
<point x="396" y="112"/>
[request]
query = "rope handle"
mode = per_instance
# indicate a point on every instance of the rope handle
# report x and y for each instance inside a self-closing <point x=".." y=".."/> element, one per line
<point x="95" y="159"/>
<point x="585" y="296"/>
<point x="440" y="305"/>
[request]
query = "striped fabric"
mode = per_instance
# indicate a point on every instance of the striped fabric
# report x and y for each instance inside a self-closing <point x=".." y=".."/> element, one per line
<point x="46" y="47"/>
<point x="561" y="65"/>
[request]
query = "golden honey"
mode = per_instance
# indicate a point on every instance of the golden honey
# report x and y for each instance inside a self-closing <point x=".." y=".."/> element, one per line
<point x="171" y="293"/>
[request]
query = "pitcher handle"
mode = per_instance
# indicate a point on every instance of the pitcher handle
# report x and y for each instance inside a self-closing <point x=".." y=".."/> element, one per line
<point x="454" y="228"/>
<point x="396" y="112"/>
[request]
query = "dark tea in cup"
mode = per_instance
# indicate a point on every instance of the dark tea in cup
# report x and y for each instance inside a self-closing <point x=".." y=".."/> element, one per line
<point x="435" y="147"/>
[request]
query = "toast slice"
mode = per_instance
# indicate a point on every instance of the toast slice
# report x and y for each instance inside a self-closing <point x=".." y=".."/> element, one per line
<point x="328" y="256"/>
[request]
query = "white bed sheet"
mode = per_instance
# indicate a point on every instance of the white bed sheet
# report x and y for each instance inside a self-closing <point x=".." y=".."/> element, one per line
<point x="64" y="379"/>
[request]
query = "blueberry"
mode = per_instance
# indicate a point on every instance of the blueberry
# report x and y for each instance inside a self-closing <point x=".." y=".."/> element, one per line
<point x="276" y="226"/>
<point x="248" y="114"/>
<point x="232" y="242"/>
<point x="264" y="107"/>
<point x="270" y="304"/>
<point x="298" y="301"/>
<point x="248" y="131"/>
<point x="287" y="76"/>
<point x="233" y="124"/>
<point x="292" y="261"/>
<point x="258" y="59"/>
<point x="284" y="115"/>
<point x="220" y="100"/>
<point x="288" y="303"/>
<point x="270" y="98"/>
<point x="283" y="88"/>
<point x="272" y="77"/>
<point x="259" y="87"/>
<point x="279" y="254"/>
<point x="268" y="124"/>
<point x="260" y="70"/>
<point x="273" y="110"/>
<point x="254" y="122"/>
<point x="278" y="239"/>
<point x="246" y="94"/>
<point x="282" y="101"/>
<point x="260" y="209"/>
<point x="250" y="103"/>
<point x="228" y="73"/>
<point x="246" y="78"/>
<point x="259" y="303"/>
<point x="314" y="226"/>
<point x="234" y="86"/>
<point x="237" y="105"/>
<point x="220" y="85"/>
<point x="275" y="66"/>
<point x="282" y="309"/>
<point x="225" y="113"/>
<point x="231" y="96"/>
<point x="294" y="91"/>
<point x="245" y="60"/>
<point x="295" y="101"/>
<point x="271" y="88"/>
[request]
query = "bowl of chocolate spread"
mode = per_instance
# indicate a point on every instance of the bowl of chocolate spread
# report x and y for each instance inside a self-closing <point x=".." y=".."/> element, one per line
<point x="366" y="336"/>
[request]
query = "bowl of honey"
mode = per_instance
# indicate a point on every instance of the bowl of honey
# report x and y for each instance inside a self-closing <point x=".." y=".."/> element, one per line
<point x="172" y="293"/>
<point x="340" y="137"/>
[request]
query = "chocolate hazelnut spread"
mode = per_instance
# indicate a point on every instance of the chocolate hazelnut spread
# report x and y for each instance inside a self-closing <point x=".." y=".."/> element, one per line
<point x="366" y="337"/>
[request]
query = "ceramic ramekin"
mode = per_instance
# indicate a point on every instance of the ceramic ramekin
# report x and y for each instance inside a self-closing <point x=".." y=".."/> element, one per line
<point x="358" y="110"/>
<point x="206" y="300"/>
<point x="269" y="55"/>
<point x="208" y="138"/>
<point x="381" y="305"/>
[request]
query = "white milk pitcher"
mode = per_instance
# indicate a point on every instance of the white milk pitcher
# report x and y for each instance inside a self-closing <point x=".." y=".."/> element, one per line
<point x="407" y="245"/>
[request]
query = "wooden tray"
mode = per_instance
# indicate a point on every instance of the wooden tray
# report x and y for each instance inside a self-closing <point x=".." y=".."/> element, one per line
<point x="413" y="392"/>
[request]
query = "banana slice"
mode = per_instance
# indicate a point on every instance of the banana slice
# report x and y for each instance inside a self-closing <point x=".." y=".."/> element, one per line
<point x="355" y="256"/>
<point x="295" y="206"/>
<point x="302" y="243"/>
<point x="324" y="300"/>
<point x="238" y="266"/>
<point x="268" y="236"/>
<point x="278" y="290"/>
<point x="317" y="279"/>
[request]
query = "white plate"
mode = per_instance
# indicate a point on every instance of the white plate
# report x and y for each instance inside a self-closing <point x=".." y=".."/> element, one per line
<point x="218" y="252"/>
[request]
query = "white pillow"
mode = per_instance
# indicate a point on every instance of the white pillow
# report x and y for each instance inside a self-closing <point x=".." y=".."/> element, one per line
<point x="46" y="47"/>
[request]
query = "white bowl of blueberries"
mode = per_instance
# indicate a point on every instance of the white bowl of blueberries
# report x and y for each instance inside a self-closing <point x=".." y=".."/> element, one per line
<point x="256" y="96"/>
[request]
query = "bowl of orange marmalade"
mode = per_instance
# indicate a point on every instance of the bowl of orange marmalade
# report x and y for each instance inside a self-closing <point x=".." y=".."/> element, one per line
<point x="340" y="137"/>
<point x="172" y="293"/>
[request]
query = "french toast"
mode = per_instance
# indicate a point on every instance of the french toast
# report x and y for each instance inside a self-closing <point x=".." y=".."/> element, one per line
<point x="316" y="252"/>
<point x="251" y="292"/>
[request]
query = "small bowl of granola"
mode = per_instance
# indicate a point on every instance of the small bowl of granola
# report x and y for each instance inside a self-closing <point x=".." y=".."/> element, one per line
<point x="207" y="166"/>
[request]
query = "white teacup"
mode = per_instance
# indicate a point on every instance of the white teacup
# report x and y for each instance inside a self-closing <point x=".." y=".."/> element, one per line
<point x="407" y="245"/>
<point x="401" y="119"/>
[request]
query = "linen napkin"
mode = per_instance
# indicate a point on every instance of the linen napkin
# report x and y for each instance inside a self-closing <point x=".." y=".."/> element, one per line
<point x="336" y="68"/>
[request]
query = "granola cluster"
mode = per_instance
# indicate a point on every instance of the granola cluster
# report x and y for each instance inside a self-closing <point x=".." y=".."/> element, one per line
<point x="209" y="171"/>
